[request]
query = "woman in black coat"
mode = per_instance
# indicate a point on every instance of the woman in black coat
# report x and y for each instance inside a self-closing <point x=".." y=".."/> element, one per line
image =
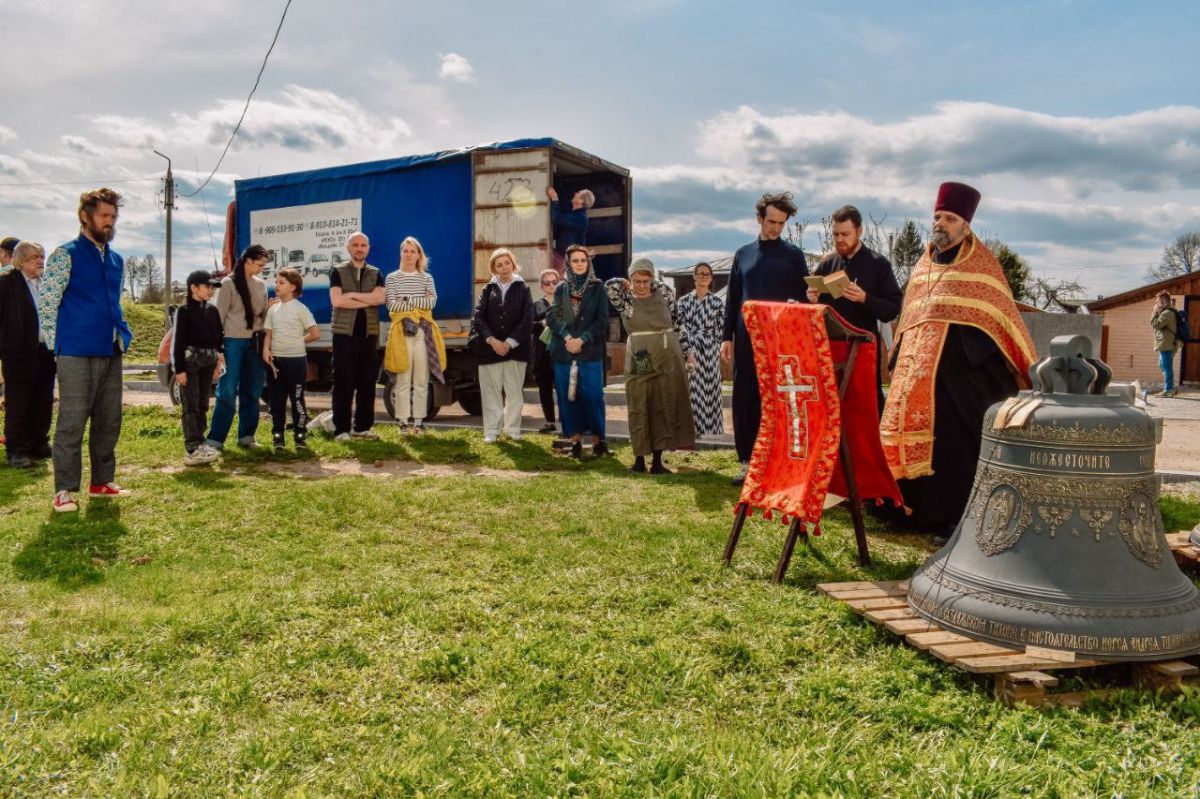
<point x="543" y="364"/>
<point x="501" y="329"/>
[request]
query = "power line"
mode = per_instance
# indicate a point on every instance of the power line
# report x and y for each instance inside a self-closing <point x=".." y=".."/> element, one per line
<point x="93" y="182"/>
<point x="211" y="243"/>
<point x="238" y="126"/>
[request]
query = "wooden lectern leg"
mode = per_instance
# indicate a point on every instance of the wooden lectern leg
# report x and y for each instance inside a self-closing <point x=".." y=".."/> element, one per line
<point x="860" y="532"/>
<point x="855" y="505"/>
<point x="795" y="530"/>
<point x="738" y="520"/>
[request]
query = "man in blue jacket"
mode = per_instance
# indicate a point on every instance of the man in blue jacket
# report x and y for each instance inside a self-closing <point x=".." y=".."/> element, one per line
<point x="84" y="327"/>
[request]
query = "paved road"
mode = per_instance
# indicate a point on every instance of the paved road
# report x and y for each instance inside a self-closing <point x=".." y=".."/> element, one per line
<point x="1178" y="452"/>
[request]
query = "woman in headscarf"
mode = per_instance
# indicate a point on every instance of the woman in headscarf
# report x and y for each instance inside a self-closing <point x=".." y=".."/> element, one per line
<point x="656" y="393"/>
<point x="702" y="314"/>
<point x="578" y="323"/>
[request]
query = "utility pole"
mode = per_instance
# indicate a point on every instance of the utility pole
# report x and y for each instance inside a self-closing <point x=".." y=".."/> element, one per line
<point x="169" y="204"/>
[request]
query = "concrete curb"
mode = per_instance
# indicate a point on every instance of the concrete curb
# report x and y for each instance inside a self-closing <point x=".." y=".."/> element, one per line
<point x="1179" y="477"/>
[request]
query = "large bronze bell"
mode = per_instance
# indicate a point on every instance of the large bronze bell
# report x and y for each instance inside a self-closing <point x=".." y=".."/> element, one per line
<point x="1062" y="544"/>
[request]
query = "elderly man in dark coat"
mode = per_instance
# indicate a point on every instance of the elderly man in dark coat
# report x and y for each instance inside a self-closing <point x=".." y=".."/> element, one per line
<point x="28" y="365"/>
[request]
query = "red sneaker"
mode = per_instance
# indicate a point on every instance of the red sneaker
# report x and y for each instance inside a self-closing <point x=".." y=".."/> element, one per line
<point x="65" y="503"/>
<point x="107" y="490"/>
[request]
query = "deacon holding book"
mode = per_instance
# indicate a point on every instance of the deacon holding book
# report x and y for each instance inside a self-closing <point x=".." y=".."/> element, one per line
<point x="961" y="346"/>
<point x="768" y="268"/>
<point x="870" y="295"/>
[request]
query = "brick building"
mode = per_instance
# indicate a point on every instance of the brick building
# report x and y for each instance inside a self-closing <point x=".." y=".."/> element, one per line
<point x="1128" y="341"/>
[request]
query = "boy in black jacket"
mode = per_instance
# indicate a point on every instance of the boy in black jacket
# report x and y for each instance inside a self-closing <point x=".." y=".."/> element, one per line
<point x="197" y="355"/>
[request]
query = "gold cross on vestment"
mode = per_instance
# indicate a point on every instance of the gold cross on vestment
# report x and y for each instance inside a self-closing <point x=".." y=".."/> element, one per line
<point x="790" y="384"/>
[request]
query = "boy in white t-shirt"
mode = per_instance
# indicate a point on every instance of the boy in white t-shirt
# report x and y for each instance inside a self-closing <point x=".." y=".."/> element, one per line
<point x="289" y="326"/>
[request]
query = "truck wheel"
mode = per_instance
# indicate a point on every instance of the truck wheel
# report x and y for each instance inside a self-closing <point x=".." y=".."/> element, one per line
<point x="173" y="390"/>
<point x="431" y="407"/>
<point x="471" y="402"/>
<point x="389" y="399"/>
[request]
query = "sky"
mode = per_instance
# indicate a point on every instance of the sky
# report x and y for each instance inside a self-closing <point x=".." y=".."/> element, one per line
<point x="1078" y="121"/>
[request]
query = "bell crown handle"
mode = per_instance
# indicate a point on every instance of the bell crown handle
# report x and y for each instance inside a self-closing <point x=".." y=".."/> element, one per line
<point x="1070" y="368"/>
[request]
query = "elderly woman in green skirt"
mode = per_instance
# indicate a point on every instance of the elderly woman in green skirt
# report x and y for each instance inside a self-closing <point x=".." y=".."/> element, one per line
<point x="657" y="358"/>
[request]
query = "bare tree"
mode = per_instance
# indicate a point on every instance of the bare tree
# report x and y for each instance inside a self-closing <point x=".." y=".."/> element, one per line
<point x="1179" y="257"/>
<point x="152" y="284"/>
<point x="1047" y="294"/>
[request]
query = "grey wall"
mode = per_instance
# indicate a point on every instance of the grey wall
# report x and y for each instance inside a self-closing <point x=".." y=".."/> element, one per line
<point x="1045" y="326"/>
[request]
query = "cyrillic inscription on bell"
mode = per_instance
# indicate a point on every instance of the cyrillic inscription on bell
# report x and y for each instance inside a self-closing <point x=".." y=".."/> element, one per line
<point x="1062" y="544"/>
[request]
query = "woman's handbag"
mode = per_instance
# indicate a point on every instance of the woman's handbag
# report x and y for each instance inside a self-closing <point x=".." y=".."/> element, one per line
<point x="476" y="343"/>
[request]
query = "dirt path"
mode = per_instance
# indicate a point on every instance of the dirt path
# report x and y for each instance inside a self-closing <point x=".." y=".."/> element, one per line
<point x="1178" y="452"/>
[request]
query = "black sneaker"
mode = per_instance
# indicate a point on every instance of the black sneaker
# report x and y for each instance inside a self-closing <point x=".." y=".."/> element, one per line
<point x="278" y="440"/>
<point x="301" y="442"/>
<point x="577" y="450"/>
<point x="19" y="461"/>
<point x="601" y="449"/>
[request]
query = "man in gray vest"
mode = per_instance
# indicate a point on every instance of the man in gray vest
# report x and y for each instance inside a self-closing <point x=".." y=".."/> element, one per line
<point x="355" y="290"/>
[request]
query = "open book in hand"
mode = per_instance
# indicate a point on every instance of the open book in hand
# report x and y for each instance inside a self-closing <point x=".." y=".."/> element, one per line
<point x="832" y="284"/>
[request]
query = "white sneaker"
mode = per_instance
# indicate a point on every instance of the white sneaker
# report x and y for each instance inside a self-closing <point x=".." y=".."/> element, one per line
<point x="65" y="503"/>
<point x="490" y="438"/>
<point x="197" y="457"/>
<point x="213" y="452"/>
<point x="515" y="436"/>
<point x="365" y="435"/>
<point x="342" y="437"/>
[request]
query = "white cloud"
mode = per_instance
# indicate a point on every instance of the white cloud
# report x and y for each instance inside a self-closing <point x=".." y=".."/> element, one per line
<point x="456" y="68"/>
<point x="7" y="134"/>
<point x="1052" y="185"/>
<point x="80" y="145"/>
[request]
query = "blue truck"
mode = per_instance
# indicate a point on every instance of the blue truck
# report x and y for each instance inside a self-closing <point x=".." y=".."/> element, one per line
<point x="461" y="204"/>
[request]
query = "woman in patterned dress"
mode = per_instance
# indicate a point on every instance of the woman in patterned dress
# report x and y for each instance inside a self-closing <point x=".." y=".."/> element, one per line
<point x="702" y="313"/>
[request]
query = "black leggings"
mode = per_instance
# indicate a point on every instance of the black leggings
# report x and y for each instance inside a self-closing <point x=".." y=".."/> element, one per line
<point x="287" y="385"/>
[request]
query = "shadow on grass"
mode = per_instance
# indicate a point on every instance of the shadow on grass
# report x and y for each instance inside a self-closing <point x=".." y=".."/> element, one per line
<point x="72" y="549"/>
<point x="12" y="481"/>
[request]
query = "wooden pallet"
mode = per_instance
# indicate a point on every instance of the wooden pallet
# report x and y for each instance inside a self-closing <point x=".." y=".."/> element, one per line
<point x="1187" y="554"/>
<point x="1018" y="674"/>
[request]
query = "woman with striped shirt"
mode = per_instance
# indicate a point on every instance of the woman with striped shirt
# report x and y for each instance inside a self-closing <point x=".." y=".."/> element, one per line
<point x="411" y="297"/>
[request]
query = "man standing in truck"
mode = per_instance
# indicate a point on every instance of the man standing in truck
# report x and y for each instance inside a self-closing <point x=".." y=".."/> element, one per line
<point x="570" y="227"/>
<point x="355" y="291"/>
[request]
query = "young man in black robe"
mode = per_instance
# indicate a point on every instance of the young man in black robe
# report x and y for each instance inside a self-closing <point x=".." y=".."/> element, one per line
<point x="873" y="296"/>
<point x="768" y="268"/>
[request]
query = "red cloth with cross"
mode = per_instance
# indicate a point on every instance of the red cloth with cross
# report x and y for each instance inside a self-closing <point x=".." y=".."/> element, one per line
<point x="795" y="462"/>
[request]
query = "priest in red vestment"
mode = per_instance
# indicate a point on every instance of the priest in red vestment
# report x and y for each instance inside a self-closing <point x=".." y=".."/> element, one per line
<point x="961" y="347"/>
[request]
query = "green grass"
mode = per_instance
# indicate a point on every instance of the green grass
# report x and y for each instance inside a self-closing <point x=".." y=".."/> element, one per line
<point x="146" y="321"/>
<point x="569" y="632"/>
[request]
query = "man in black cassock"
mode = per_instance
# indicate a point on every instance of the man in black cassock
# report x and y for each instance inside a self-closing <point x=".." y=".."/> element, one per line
<point x="768" y="268"/>
<point x="873" y="295"/>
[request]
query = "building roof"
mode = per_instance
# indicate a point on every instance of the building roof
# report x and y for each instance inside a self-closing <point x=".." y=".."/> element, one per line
<point x="1139" y="294"/>
<point x="722" y="264"/>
